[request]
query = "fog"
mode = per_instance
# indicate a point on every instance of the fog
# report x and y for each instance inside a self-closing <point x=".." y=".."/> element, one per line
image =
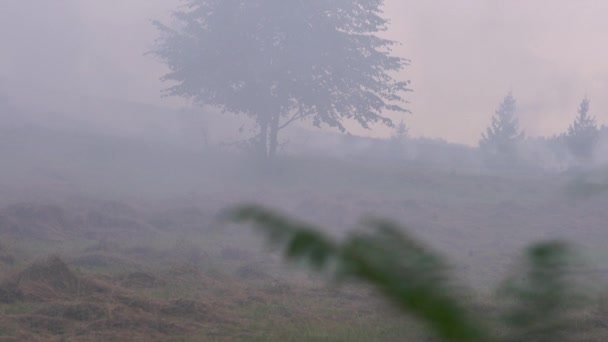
<point x="128" y="187"/>
<point x="549" y="54"/>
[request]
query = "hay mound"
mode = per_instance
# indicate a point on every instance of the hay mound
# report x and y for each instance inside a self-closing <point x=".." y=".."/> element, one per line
<point x="47" y="280"/>
<point x="70" y="306"/>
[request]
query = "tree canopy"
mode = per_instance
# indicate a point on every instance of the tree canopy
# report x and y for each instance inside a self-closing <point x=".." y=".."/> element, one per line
<point x="280" y="61"/>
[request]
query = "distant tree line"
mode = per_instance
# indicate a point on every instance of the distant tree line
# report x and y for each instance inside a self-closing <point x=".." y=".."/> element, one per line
<point x="325" y="62"/>
<point x="504" y="144"/>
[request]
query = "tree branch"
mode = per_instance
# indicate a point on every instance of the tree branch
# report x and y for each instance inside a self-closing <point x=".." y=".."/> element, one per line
<point x="295" y="117"/>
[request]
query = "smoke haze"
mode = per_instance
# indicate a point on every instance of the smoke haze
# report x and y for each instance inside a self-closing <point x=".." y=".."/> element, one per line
<point x="465" y="58"/>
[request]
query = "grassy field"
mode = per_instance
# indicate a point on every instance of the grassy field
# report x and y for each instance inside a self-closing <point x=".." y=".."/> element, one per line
<point x="77" y="267"/>
<point x="215" y="287"/>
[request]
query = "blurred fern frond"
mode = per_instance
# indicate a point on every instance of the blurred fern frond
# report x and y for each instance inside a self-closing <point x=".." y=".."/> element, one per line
<point x="539" y="300"/>
<point x="404" y="271"/>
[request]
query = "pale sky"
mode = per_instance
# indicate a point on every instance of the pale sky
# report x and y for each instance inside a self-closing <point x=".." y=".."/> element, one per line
<point x="466" y="55"/>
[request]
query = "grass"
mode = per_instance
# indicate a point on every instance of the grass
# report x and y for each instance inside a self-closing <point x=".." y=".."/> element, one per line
<point x="278" y="305"/>
<point x="18" y="308"/>
<point x="478" y="222"/>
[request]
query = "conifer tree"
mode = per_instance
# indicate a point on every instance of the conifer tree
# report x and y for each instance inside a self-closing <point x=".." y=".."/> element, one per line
<point x="583" y="133"/>
<point x="499" y="144"/>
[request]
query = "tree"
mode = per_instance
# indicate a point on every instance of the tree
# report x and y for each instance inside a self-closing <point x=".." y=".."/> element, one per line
<point x="583" y="133"/>
<point x="282" y="61"/>
<point x="398" y="140"/>
<point x="499" y="143"/>
<point x="401" y="132"/>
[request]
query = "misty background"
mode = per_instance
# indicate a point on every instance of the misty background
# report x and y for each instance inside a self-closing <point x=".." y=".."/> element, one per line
<point x="65" y="55"/>
<point x="82" y="113"/>
<point x="130" y="187"/>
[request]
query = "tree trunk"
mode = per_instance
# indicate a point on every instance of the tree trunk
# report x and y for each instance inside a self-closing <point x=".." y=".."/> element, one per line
<point x="273" y="138"/>
<point x="263" y="141"/>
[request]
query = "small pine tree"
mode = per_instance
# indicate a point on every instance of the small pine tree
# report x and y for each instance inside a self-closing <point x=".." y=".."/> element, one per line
<point x="499" y="143"/>
<point x="401" y="132"/>
<point x="398" y="141"/>
<point x="583" y="133"/>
